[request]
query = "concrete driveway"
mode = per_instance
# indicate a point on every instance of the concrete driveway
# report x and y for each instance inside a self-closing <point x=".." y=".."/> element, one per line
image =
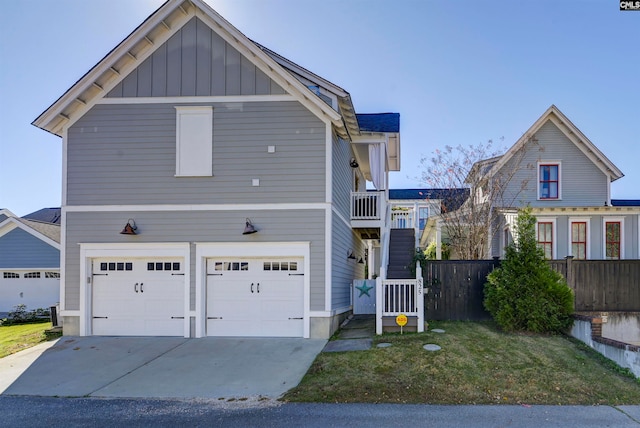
<point x="159" y="367"/>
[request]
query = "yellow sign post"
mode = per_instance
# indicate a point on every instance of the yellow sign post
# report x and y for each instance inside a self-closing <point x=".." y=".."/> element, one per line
<point x="401" y="320"/>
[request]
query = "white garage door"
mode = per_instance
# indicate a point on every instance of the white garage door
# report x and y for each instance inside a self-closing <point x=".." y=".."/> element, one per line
<point x="35" y="289"/>
<point x="255" y="297"/>
<point x="138" y="297"/>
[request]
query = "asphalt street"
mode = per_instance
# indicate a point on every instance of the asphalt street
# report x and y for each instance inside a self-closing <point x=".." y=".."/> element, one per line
<point x="81" y="412"/>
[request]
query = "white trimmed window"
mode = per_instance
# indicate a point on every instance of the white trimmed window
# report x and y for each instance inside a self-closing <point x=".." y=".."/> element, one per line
<point x="194" y="141"/>
<point x="613" y="238"/>
<point x="546" y="236"/>
<point x="10" y="275"/>
<point x="549" y="180"/>
<point x="579" y="238"/>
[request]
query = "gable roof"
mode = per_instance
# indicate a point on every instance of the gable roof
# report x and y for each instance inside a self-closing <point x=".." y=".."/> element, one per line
<point x="46" y="232"/>
<point x="143" y="41"/>
<point x="574" y="135"/>
<point x="46" y="215"/>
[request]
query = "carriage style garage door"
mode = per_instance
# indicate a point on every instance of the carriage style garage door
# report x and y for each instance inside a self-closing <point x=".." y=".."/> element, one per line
<point x="255" y="297"/>
<point x="138" y="297"/>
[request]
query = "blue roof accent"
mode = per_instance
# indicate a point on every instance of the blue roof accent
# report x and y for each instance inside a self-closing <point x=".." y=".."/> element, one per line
<point x="421" y="194"/>
<point x="625" y="202"/>
<point x="46" y="215"/>
<point x="379" y="122"/>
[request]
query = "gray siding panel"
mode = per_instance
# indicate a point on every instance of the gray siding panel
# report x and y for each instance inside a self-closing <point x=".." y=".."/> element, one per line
<point x="20" y="249"/>
<point x="582" y="182"/>
<point x="342" y="179"/>
<point x="125" y="154"/>
<point x="197" y="226"/>
<point x="195" y="61"/>
<point x="344" y="270"/>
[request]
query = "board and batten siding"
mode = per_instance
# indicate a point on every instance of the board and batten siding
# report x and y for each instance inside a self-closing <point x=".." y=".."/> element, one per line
<point x="126" y="154"/>
<point x="195" y="61"/>
<point x="344" y="270"/>
<point x="20" y="249"/>
<point x="196" y="227"/>
<point x="582" y="182"/>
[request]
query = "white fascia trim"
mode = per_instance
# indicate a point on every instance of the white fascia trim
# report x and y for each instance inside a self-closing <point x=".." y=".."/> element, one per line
<point x="89" y="251"/>
<point x="554" y="233"/>
<point x="65" y="144"/>
<point x="198" y="99"/>
<point x="341" y="217"/>
<point x="63" y="258"/>
<point x="328" y="167"/>
<point x="14" y="223"/>
<point x="586" y="220"/>
<point x="206" y="250"/>
<point x="328" y="257"/>
<point x="195" y="207"/>
<point x="605" y="220"/>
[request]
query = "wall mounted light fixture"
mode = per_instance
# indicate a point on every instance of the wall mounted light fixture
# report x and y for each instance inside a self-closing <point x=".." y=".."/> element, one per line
<point x="351" y="256"/>
<point x="353" y="163"/>
<point x="361" y="261"/>
<point x="129" y="228"/>
<point x="248" y="228"/>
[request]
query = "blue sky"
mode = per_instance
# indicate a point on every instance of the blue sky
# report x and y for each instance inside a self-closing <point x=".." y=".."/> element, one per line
<point x="458" y="72"/>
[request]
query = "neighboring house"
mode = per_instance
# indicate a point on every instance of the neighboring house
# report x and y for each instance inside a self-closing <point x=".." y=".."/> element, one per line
<point x="566" y="180"/>
<point x="209" y="185"/>
<point x="29" y="263"/>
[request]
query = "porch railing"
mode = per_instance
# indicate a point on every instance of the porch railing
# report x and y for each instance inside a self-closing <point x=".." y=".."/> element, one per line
<point x="402" y="219"/>
<point x="366" y="205"/>
<point x="400" y="296"/>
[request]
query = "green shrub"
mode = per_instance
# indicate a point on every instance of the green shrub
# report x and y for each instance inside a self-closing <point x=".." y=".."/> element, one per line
<point x="430" y="252"/>
<point x="524" y="293"/>
<point x="20" y="315"/>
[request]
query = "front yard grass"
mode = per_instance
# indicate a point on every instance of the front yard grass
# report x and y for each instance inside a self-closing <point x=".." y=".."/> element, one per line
<point x="15" y="338"/>
<point x="478" y="364"/>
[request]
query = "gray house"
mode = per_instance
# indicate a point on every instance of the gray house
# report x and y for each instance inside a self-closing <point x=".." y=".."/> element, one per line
<point x="566" y="180"/>
<point x="29" y="262"/>
<point x="212" y="187"/>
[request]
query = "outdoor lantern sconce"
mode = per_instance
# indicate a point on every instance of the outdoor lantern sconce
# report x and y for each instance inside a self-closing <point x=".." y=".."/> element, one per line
<point x="360" y="261"/>
<point x="351" y="256"/>
<point x="354" y="163"/>
<point x="248" y="228"/>
<point x="129" y="228"/>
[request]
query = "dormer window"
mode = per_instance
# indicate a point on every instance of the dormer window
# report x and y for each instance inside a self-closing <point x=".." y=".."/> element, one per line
<point x="549" y="181"/>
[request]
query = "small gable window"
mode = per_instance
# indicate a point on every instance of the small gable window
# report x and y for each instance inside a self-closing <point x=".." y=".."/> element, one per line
<point x="549" y="181"/>
<point x="194" y="141"/>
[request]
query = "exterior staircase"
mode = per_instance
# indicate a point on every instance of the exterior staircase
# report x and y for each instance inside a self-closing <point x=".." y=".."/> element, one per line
<point x="401" y="250"/>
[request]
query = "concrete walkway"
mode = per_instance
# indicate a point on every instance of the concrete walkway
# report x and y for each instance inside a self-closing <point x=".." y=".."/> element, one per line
<point x="355" y="334"/>
<point x="159" y="367"/>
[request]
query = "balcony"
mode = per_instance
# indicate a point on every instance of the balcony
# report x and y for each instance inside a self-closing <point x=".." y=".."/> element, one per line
<point x="367" y="213"/>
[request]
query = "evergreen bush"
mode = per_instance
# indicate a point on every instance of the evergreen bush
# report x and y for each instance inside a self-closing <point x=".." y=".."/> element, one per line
<point x="524" y="293"/>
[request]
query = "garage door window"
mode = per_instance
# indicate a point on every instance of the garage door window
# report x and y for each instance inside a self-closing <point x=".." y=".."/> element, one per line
<point x="10" y="275"/>
<point x="104" y="266"/>
<point x="277" y="266"/>
<point x="168" y="266"/>
<point x="52" y="275"/>
<point x="230" y="266"/>
<point x="32" y="275"/>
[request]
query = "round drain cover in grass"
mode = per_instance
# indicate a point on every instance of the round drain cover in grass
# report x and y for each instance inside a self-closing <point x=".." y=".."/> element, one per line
<point x="383" y="345"/>
<point x="432" y="347"/>
<point x="437" y="330"/>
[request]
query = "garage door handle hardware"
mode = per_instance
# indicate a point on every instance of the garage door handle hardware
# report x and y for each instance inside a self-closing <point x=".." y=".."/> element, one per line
<point x="102" y="318"/>
<point x="296" y="318"/>
<point x="213" y="274"/>
<point x="214" y="318"/>
<point x="135" y="287"/>
<point x="177" y="318"/>
<point x="258" y="287"/>
<point x="252" y="287"/>
<point x="174" y="274"/>
<point x="141" y="289"/>
<point x="100" y="274"/>
<point x="296" y="274"/>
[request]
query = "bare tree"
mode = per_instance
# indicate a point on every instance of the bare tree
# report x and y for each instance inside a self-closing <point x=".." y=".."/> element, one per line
<point x="470" y="218"/>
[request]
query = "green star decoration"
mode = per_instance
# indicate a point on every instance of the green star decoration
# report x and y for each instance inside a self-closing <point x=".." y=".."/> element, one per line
<point x="364" y="290"/>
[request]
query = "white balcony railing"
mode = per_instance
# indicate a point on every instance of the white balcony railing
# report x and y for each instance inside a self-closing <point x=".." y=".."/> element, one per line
<point x="366" y="205"/>
<point x="401" y="296"/>
<point x="402" y="219"/>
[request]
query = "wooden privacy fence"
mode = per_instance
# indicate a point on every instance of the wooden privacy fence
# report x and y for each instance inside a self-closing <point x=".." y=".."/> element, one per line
<point x="454" y="290"/>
